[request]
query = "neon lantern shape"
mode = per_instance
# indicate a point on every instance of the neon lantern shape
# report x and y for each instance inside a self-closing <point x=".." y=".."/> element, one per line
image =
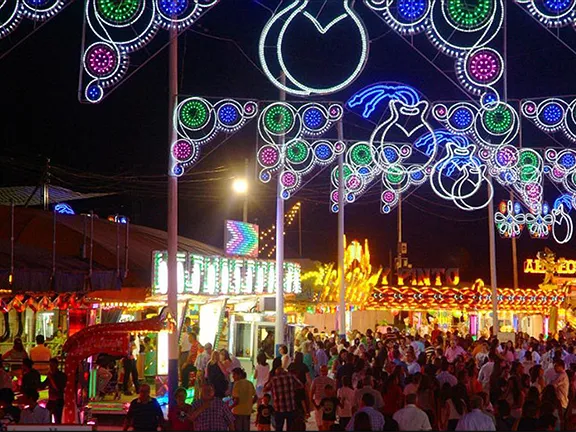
<point x="64" y="208"/>
<point x="116" y="29"/>
<point x="562" y="220"/>
<point x="198" y="121"/>
<point x="404" y="145"/>
<point x="282" y="26"/>
<point x="292" y="146"/>
<point x="509" y="219"/>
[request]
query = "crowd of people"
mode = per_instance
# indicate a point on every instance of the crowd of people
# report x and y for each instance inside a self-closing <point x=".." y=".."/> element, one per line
<point x="377" y="381"/>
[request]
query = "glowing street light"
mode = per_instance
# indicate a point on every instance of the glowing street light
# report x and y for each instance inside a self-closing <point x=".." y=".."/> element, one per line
<point x="240" y="186"/>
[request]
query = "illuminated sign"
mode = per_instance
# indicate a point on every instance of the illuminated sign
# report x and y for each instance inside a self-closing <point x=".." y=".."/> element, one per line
<point x="423" y="276"/>
<point x="241" y="239"/>
<point x="563" y="266"/>
<point x="215" y="275"/>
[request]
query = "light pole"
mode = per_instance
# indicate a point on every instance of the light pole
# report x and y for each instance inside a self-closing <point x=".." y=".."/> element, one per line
<point x="240" y="187"/>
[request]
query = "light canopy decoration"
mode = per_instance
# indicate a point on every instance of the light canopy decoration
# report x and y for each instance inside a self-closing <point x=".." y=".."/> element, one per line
<point x="460" y="29"/>
<point x="551" y="13"/>
<point x="303" y="20"/>
<point x="291" y="143"/>
<point x="552" y="115"/>
<point x="241" y="239"/>
<point x="198" y="121"/>
<point x="12" y="12"/>
<point x="114" y="29"/>
<point x="215" y="276"/>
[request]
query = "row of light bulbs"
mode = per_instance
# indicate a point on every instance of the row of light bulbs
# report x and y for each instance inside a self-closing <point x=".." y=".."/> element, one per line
<point x="290" y="216"/>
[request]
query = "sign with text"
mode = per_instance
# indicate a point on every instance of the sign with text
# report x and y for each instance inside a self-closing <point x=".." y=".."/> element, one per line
<point x="563" y="266"/>
<point x="422" y="276"/>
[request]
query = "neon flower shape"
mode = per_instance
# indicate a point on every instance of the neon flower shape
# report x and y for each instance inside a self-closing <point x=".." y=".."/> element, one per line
<point x="509" y="219"/>
<point x="540" y="223"/>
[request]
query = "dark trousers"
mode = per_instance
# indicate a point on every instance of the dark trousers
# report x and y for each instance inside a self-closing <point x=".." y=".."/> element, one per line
<point x="279" y="417"/>
<point x="188" y="369"/>
<point x="344" y="421"/>
<point x="56" y="407"/>
<point x="241" y="422"/>
<point x="130" y="369"/>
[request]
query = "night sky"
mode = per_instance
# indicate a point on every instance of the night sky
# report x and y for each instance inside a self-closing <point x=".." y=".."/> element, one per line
<point x="120" y="145"/>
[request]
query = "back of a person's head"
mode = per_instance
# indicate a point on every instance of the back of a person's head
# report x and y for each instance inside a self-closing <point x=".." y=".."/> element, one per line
<point x="529" y="409"/>
<point x="476" y="402"/>
<point x="28" y="363"/>
<point x="411" y="399"/>
<point x="368" y="399"/>
<point x="7" y="395"/>
<point x="40" y="339"/>
<point x="362" y="422"/>
<point x="547" y="422"/>
<point x="31" y="394"/>
<point x="445" y="365"/>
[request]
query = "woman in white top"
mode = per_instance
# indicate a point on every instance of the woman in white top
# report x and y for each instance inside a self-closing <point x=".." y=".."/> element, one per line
<point x="261" y="374"/>
<point x="346" y="396"/>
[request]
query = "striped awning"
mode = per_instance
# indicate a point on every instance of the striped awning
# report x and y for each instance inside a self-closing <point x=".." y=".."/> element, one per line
<point x="19" y="195"/>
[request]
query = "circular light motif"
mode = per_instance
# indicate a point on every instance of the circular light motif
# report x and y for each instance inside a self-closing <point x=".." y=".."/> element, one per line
<point x="469" y="14"/>
<point x="314" y="119"/>
<point x="268" y="156"/>
<point x="296" y="152"/>
<point x="461" y="118"/>
<point x="182" y="150"/>
<point x="118" y="11"/>
<point x="484" y="66"/>
<point x="228" y="114"/>
<point x="552" y="114"/>
<point x="353" y="182"/>
<point x="323" y="152"/>
<point x="288" y="179"/>
<point x="412" y="10"/>
<point x="506" y="157"/>
<point x="100" y="60"/>
<point x="36" y="3"/>
<point x="94" y="93"/>
<point x="390" y="155"/>
<point x="567" y="160"/>
<point x="177" y="170"/>
<point x="557" y="6"/>
<point x="395" y="175"/>
<point x="417" y="175"/>
<point x="498" y="120"/>
<point x="361" y="154"/>
<point x="279" y="119"/>
<point x="388" y="196"/>
<point x="173" y="8"/>
<point x="194" y="114"/>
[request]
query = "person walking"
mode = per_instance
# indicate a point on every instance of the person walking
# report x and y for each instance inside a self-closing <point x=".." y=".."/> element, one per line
<point x="412" y="418"/>
<point x="209" y="413"/>
<point x="476" y="420"/>
<point x="144" y="413"/>
<point x="318" y="392"/>
<point x="244" y="398"/>
<point x="179" y="412"/>
<point x="367" y="408"/>
<point x="130" y="369"/>
<point x="56" y="383"/>
<point x="41" y="355"/>
<point x="33" y="413"/>
<point x="283" y="388"/>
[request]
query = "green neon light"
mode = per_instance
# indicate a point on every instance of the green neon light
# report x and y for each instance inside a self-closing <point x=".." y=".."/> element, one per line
<point x="278" y="119"/>
<point x="498" y="120"/>
<point x="297" y="152"/>
<point x="118" y="11"/>
<point x="361" y="154"/>
<point x="194" y="114"/>
<point x="469" y="13"/>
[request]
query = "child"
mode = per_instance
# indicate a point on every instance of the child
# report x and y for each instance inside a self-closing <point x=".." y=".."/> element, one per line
<point x="328" y="405"/>
<point x="264" y="415"/>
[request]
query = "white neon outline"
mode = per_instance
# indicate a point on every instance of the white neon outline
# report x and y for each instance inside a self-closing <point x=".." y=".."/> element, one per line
<point x="560" y="216"/>
<point x="302" y="89"/>
<point x="324" y="29"/>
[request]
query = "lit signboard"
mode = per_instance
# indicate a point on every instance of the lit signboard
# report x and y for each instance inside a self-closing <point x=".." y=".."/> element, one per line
<point x="241" y="239"/>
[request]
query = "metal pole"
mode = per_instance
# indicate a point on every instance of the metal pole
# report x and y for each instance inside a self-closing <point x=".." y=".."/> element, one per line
<point x="245" y="207"/>
<point x="126" y="248"/>
<point x="399" y="251"/>
<point x="341" y="269"/>
<point x="514" y="255"/>
<point x="172" y="217"/>
<point x="279" y="321"/>
<point x="493" y="279"/>
<point x="11" y="242"/>
<point x="91" y="242"/>
<point x="300" y="231"/>
<point x="46" y="186"/>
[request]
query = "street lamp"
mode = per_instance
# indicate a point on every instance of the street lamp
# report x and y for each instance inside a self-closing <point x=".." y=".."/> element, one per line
<point x="240" y="186"/>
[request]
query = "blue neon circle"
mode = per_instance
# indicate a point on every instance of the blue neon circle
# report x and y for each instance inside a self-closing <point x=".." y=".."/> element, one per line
<point x="412" y="10"/>
<point x="37" y="3"/>
<point x="364" y="171"/>
<point x="552" y="113"/>
<point x="178" y="170"/>
<point x="461" y="118"/>
<point x="567" y="160"/>
<point x="173" y="7"/>
<point x="228" y="114"/>
<point x="390" y="155"/>
<point x="557" y="6"/>
<point x="94" y="93"/>
<point x="323" y="152"/>
<point x="314" y="119"/>
<point x="417" y="175"/>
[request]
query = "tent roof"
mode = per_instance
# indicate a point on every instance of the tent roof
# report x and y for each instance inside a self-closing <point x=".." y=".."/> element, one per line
<point x="34" y="231"/>
<point x="20" y="194"/>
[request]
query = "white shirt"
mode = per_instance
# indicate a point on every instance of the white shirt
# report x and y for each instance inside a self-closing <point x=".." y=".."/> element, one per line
<point x="38" y="415"/>
<point x="185" y="344"/>
<point x="346" y="395"/>
<point x="475" y="420"/>
<point x="485" y="374"/>
<point x="550" y="375"/>
<point x="412" y="418"/>
<point x="561" y="385"/>
<point x="263" y="374"/>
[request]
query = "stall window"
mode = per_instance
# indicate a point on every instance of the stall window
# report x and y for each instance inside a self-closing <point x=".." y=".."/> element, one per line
<point x="243" y="348"/>
<point x="266" y="340"/>
<point x="45" y="324"/>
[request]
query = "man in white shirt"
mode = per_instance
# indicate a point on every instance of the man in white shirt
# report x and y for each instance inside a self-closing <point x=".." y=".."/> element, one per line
<point x="445" y="376"/>
<point x="476" y="420"/>
<point x="412" y="418"/>
<point x="368" y="387"/>
<point x="33" y="413"/>
<point x="453" y="351"/>
<point x="486" y="372"/>
<point x="413" y="366"/>
<point x="561" y="383"/>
